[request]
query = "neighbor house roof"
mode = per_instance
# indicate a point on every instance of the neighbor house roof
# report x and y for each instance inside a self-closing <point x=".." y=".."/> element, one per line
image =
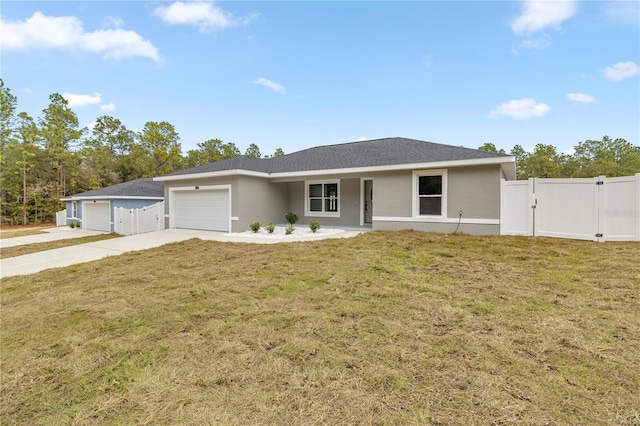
<point x="139" y="188"/>
<point x="371" y="154"/>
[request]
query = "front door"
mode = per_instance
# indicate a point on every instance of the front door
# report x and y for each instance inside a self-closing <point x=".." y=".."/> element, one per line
<point x="368" y="201"/>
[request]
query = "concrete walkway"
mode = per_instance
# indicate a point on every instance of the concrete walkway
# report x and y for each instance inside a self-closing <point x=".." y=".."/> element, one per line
<point x="67" y="256"/>
<point x="50" y="234"/>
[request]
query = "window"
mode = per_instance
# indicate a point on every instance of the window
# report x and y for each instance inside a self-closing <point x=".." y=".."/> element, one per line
<point x="430" y="189"/>
<point x="322" y="199"/>
<point x="74" y="209"/>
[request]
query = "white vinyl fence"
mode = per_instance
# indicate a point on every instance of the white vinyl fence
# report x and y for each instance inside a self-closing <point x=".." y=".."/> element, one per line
<point x="61" y="217"/>
<point x="139" y="221"/>
<point x="598" y="209"/>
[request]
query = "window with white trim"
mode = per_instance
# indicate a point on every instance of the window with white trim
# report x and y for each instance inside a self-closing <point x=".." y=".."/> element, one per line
<point x="322" y="198"/>
<point x="430" y="193"/>
<point x="74" y="209"/>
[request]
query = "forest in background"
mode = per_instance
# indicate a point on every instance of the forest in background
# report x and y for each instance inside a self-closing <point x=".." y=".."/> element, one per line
<point x="46" y="158"/>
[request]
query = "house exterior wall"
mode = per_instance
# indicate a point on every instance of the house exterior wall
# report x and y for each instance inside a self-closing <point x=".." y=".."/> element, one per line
<point x="473" y="190"/>
<point x="231" y="180"/>
<point x="392" y="194"/>
<point x="260" y="201"/>
<point x="443" y="228"/>
<point x="253" y="199"/>
<point x="349" y="202"/>
<point x="78" y="216"/>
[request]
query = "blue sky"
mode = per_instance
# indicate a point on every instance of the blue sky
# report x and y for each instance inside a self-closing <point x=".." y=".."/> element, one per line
<point x="297" y="74"/>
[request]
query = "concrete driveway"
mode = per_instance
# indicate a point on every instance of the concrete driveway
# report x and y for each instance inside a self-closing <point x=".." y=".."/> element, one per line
<point x="81" y="253"/>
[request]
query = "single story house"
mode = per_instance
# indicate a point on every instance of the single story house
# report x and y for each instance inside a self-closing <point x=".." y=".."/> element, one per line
<point x="386" y="184"/>
<point x="95" y="209"/>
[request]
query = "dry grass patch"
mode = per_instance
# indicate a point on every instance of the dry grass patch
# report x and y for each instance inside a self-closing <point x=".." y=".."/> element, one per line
<point x="22" y="231"/>
<point x="8" y="252"/>
<point x="384" y="328"/>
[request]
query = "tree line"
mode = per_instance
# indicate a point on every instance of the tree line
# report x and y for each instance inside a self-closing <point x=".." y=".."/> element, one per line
<point x="591" y="158"/>
<point x="49" y="157"/>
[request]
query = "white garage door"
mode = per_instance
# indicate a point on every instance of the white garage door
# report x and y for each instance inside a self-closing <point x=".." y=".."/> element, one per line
<point x="206" y="209"/>
<point x="96" y="216"/>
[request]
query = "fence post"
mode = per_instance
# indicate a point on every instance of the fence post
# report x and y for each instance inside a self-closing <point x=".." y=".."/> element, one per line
<point x="600" y="206"/>
<point x="503" y="210"/>
<point x="533" y="205"/>
<point x="637" y="212"/>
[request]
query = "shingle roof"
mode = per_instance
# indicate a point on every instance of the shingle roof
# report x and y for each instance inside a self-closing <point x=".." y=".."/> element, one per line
<point x="371" y="153"/>
<point x="145" y="187"/>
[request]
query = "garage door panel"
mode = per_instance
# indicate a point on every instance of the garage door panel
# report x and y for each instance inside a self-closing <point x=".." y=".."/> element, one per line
<point x="96" y="216"/>
<point x="202" y="209"/>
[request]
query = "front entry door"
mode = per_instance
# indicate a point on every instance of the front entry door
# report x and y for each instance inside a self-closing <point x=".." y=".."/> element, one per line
<point x="368" y="201"/>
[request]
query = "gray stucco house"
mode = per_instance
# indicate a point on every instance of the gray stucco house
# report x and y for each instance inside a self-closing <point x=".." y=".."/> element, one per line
<point x="385" y="184"/>
<point x="95" y="209"/>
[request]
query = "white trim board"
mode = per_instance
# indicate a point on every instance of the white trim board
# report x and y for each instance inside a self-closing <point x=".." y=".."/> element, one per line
<point x="110" y="197"/>
<point x="470" y="221"/>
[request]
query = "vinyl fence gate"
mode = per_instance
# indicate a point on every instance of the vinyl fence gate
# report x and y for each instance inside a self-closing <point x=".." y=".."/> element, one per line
<point x="597" y="209"/>
<point x="61" y="217"/>
<point x="139" y="221"/>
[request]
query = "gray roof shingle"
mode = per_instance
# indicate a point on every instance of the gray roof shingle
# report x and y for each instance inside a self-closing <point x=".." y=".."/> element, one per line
<point x="371" y="153"/>
<point x="145" y="187"/>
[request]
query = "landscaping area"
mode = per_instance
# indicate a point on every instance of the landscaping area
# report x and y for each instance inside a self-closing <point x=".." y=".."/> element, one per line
<point x="383" y="328"/>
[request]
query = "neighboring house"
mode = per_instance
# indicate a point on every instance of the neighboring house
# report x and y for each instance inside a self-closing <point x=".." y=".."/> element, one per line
<point x="95" y="209"/>
<point x="385" y="184"/>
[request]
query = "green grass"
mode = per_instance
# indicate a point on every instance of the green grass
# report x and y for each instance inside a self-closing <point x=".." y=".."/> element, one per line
<point x="384" y="328"/>
<point x="8" y="252"/>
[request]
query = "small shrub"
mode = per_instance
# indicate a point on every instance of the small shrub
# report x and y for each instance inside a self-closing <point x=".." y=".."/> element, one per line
<point x="74" y="225"/>
<point x="291" y="218"/>
<point x="270" y="227"/>
<point x="314" y="226"/>
<point x="255" y="227"/>
<point x="289" y="229"/>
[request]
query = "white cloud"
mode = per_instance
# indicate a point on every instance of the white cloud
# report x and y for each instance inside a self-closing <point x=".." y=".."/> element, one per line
<point x="623" y="11"/>
<point x="521" y="108"/>
<point x="538" y="15"/>
<point x="362" y="139"/>
<point x="28" y="91"/>
<point x="581" y="97"/>
<point x="205" y="15"/>
<point x="66" y="33"/>
<point x="538" y="44"/>
<point x="112" y="22"/>
<point x="621" y="70"/>
<point x="108" y="107"/>
<point x="81" y="100"/>
<point x="271" y="85"/>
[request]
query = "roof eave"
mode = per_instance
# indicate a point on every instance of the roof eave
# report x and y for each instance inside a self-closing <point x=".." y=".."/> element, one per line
<point x="109" y="197"/>
<point x="393" y="167"/>
<point x="347" y="170"/>
<point x="220" y="173"/>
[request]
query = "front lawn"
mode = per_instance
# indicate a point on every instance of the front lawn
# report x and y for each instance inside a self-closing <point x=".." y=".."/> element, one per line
<point x="384" y="328"/>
